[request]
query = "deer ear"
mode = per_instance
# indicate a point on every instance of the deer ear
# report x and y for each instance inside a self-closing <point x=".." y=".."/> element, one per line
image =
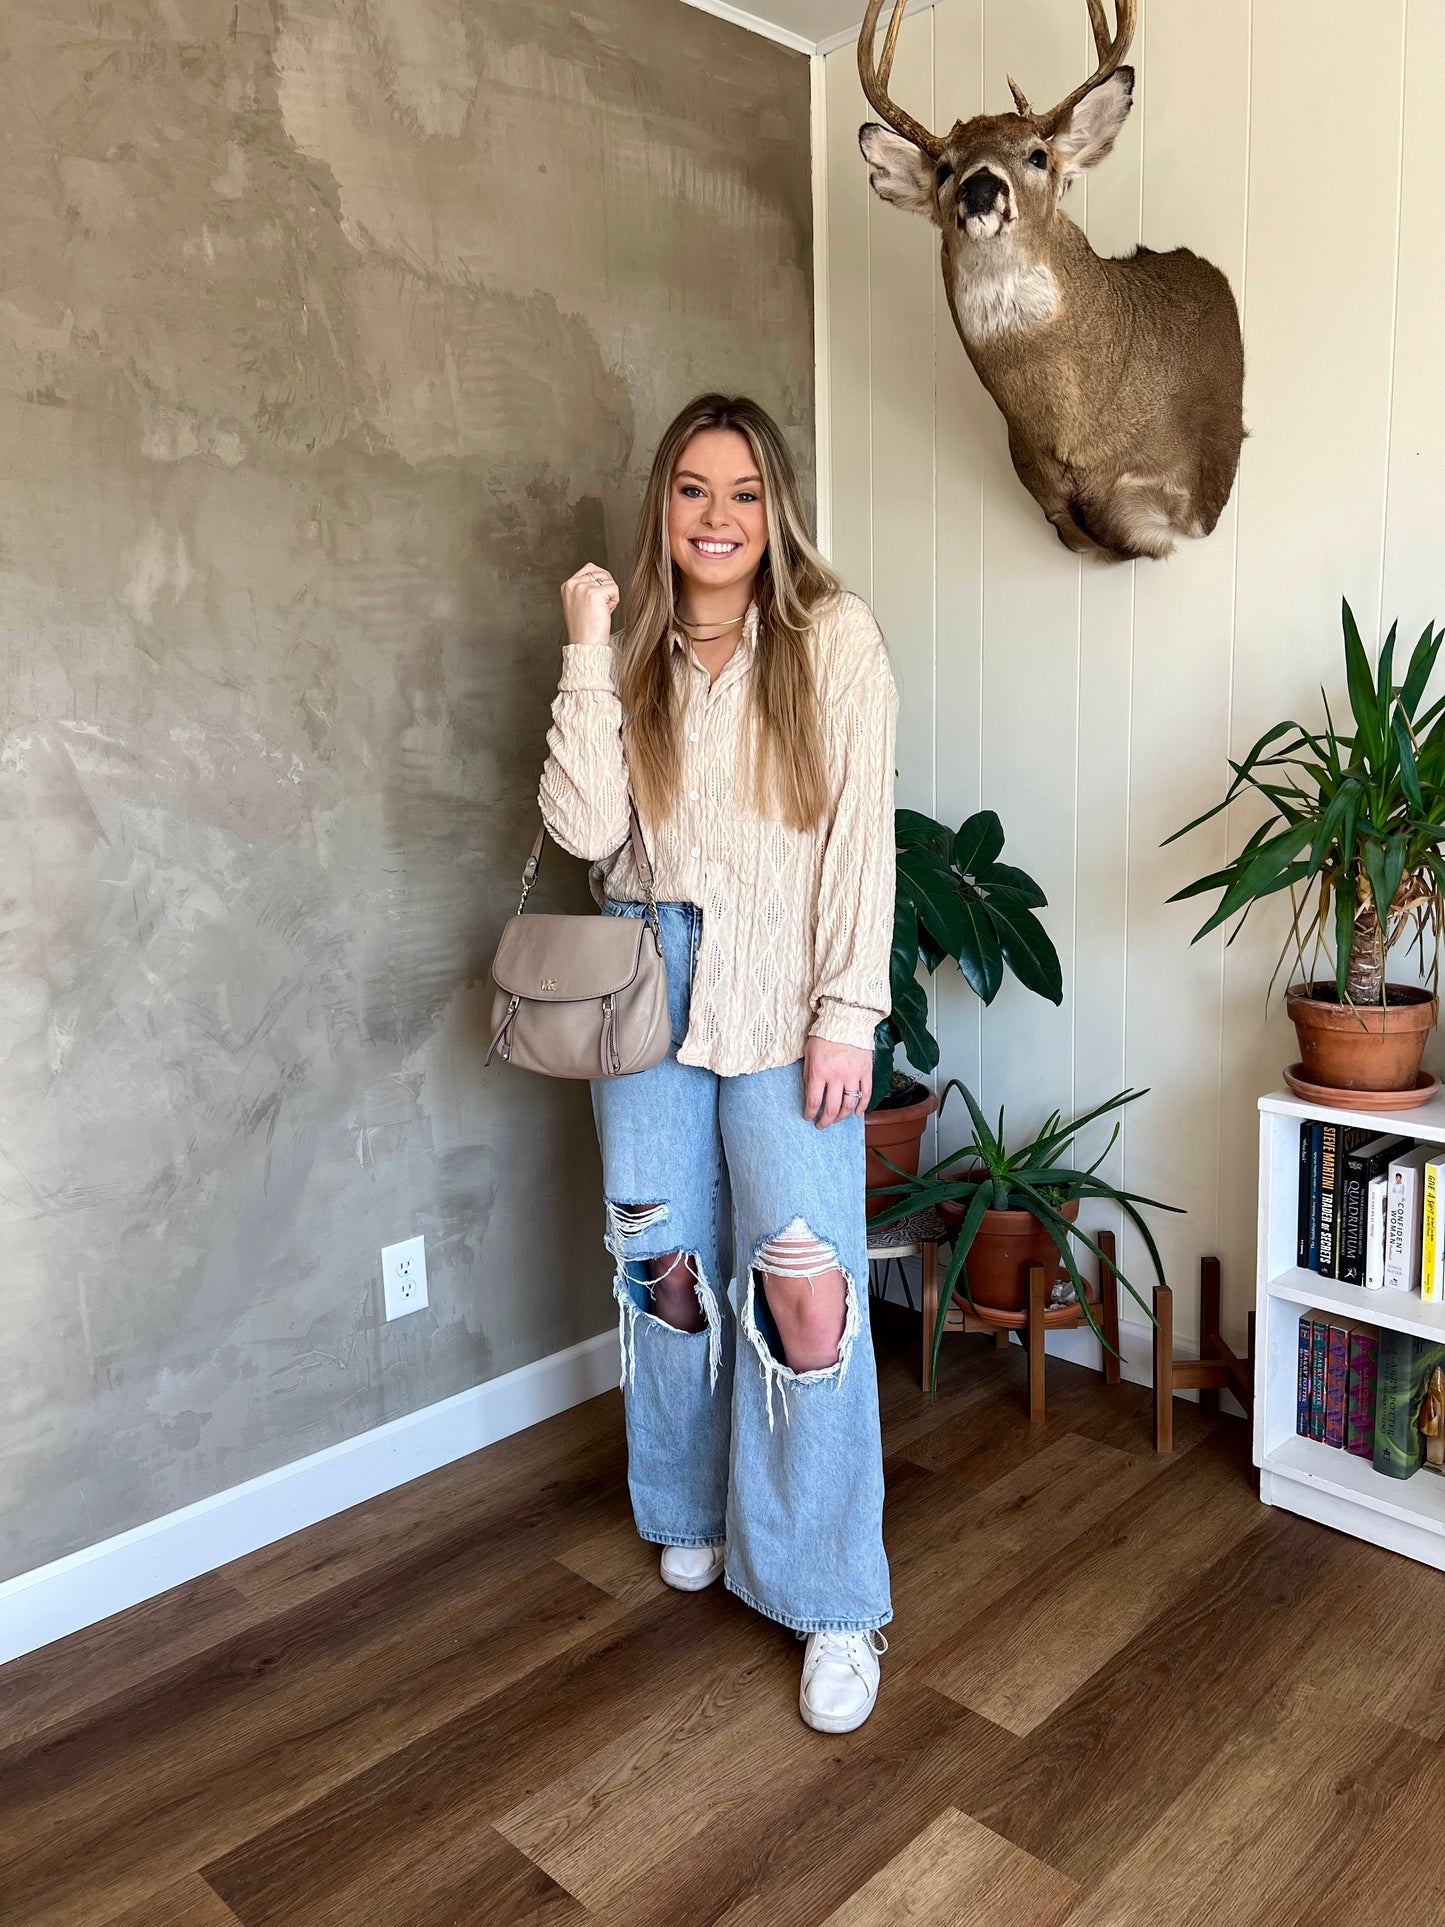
<point x="1094" y="125"/>
<point x="900" y="173"/>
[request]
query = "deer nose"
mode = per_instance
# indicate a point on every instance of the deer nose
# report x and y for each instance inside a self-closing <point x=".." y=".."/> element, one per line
<point x="980" y="191"/>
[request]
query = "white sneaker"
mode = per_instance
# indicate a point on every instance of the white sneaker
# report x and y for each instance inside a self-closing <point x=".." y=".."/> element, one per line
<point x="690" y="1568"/>
<point x="840" y="1679"/>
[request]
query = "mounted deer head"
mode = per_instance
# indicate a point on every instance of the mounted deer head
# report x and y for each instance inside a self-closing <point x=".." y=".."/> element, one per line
<point x="1121" y="380"/>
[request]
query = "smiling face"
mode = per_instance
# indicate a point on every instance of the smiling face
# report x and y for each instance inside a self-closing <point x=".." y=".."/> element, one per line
<point x="717" y="522"/>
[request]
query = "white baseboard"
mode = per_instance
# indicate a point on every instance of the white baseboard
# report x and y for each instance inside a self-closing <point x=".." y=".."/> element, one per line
<point x="85" y="1587"/>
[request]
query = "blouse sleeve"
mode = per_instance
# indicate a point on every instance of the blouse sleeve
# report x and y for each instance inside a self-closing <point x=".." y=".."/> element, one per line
<point x="854" y="940"/>
<point x="583" y="792"/>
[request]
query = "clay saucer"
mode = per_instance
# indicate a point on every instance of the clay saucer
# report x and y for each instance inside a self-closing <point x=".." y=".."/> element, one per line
<point x="1335" y="1099"/>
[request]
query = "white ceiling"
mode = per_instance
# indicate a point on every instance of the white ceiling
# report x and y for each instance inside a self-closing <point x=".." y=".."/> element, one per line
<point x="810" y="26"/>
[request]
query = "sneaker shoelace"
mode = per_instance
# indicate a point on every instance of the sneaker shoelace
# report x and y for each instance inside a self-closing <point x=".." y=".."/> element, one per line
<point x="848" y="1647"/>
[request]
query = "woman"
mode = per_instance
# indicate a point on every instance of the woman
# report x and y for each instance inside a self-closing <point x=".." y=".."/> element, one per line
<point x="749" y="703"/>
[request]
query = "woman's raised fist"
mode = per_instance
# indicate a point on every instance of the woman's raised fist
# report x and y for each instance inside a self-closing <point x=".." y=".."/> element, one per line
<point x="588" y="599"/>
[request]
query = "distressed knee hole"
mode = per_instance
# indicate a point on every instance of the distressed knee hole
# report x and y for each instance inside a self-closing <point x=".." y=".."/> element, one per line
<point x="636" y="1277"/>
<point x="797" y="1253"/>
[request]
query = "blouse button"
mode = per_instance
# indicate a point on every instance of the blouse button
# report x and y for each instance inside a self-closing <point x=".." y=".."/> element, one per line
<point x="696" y="851"/>
<point x="692" y="735"/>
<point x="692" y="795"/>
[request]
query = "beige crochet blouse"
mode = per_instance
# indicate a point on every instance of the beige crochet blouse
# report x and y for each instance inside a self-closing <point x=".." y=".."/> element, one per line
<point x="797" y="927"/>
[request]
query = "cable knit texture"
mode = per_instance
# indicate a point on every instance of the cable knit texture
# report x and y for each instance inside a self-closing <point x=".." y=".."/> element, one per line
<point x="797" y="926"/>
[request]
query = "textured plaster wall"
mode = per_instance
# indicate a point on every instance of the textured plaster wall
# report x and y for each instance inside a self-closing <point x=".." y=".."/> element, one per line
<point x="332" y="334"/>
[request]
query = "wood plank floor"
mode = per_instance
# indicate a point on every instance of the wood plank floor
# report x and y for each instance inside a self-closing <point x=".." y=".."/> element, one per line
<point x="1119" y="1690"/>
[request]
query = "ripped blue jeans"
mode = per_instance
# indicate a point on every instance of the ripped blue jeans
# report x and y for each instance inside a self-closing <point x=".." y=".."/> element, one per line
<point x="724" y="1440"/>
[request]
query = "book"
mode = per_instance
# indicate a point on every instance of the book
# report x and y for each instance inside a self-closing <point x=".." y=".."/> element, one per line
<point x="1432" y="1244"/>
<point x="1376" y="1207"/>
<point x="1351" y="1137"/>
<point x="1302" y="1381"/>
<point x="1307" y="1249"/>
<point x="1337" y="1362"/>
<point x="1402" y="1220"/>
<point x="1319" y="1331"/>
<point x="1404" y="1365"/>
<point x="1317" y="1137"/>
<point x="1362" y="1164"/>
<point x="1329" y="1158"/>
<point x="1364" y="1352"/>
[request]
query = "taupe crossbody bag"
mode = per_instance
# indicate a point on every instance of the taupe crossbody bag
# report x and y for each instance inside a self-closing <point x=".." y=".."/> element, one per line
<point x="581" y="996"/>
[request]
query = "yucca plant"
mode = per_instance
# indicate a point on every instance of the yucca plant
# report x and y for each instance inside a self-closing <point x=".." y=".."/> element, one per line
<point x="955" y="898"/>
<point x="1031" y="1178"/>
<point x="1354" y="825"/>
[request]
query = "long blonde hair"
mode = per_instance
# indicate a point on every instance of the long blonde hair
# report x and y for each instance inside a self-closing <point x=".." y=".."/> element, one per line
<point x="788" y="768"/>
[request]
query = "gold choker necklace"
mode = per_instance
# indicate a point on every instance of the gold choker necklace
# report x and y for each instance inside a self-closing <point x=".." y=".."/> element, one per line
<point x="731" y="622"/>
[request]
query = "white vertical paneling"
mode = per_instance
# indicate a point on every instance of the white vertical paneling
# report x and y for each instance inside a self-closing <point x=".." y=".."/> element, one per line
<point x="1094" y="709"/>
<point x="902" y="250"/>
<point x="1415" y="504"/>
<point x="963" y="425"/>
<point x="1106" y="640"/>
<point x="1030" y="649"/>
<point x="1319" y="336"/>
<point x="904" y="270"/>
<point x="845" y="301"/>
<point x="1195" y="106"/>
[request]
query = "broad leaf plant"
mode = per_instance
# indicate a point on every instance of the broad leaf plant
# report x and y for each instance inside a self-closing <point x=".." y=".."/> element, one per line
<point x="1354" y="826"/>
<point x="956" y="898"/>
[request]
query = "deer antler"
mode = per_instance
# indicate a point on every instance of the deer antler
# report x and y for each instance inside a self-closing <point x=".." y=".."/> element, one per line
<point x="874" y="76"/>
<point x="1111" y="51"/>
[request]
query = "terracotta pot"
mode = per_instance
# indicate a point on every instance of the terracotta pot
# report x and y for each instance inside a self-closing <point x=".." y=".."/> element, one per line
<point x="898" y="1134"/>
<point x="1373" y="1047"/>
<point x="1005" y="1245"/>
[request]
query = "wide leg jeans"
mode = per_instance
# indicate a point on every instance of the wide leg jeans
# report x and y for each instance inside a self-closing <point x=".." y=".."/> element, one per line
<point x="725" y="1441"/>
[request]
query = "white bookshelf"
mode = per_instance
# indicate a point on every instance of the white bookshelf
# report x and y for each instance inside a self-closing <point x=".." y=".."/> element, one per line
<point x="1303" y="1475"/>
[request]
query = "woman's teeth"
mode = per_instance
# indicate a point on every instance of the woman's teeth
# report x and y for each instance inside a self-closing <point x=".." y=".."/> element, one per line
<point x="715" y="548"/>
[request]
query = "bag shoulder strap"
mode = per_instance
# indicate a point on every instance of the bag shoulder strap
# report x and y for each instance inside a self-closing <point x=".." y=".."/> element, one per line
<point x="639" y="856"/>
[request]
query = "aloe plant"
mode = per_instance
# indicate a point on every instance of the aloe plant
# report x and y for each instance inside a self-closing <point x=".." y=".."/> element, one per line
<point x="1030" y="1178"/>
<point x="1354" y="825"/>
<point x="955" y="898"/>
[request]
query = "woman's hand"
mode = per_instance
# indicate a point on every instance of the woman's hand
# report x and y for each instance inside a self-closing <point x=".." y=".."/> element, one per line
<point x="588" y="599"/>
<point x="837" y="1081"/>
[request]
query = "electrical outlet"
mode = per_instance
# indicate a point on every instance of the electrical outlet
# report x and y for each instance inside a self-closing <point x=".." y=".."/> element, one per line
<point x="403" y="1276"/>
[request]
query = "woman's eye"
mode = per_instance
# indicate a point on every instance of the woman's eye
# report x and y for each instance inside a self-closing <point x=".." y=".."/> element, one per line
<point x="747" y="495"/>
<point x="690" y="488"/>
<point x="1039" y="157"/>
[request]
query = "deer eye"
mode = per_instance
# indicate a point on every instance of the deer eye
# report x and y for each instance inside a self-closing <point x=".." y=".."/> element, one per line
<point x="942" y="172"/>
<point x="1039" y="157"/>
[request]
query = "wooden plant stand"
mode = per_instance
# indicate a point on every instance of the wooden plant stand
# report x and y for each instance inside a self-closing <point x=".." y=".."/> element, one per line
<point x="1038" y="1319"/>
<point x="1216" y="1369"/>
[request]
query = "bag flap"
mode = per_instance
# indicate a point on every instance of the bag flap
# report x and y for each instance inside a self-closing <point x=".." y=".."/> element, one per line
<point x="560" y="959"/>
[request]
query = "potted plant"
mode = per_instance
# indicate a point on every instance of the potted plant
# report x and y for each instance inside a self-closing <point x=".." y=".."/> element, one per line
<point x="955" y="898"/>
<point x="1353" y="831"/>
<point x="1013" y="1209"/>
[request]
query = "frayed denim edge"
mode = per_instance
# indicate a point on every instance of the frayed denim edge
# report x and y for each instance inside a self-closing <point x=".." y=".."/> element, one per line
<point x="806" y="1625"/>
